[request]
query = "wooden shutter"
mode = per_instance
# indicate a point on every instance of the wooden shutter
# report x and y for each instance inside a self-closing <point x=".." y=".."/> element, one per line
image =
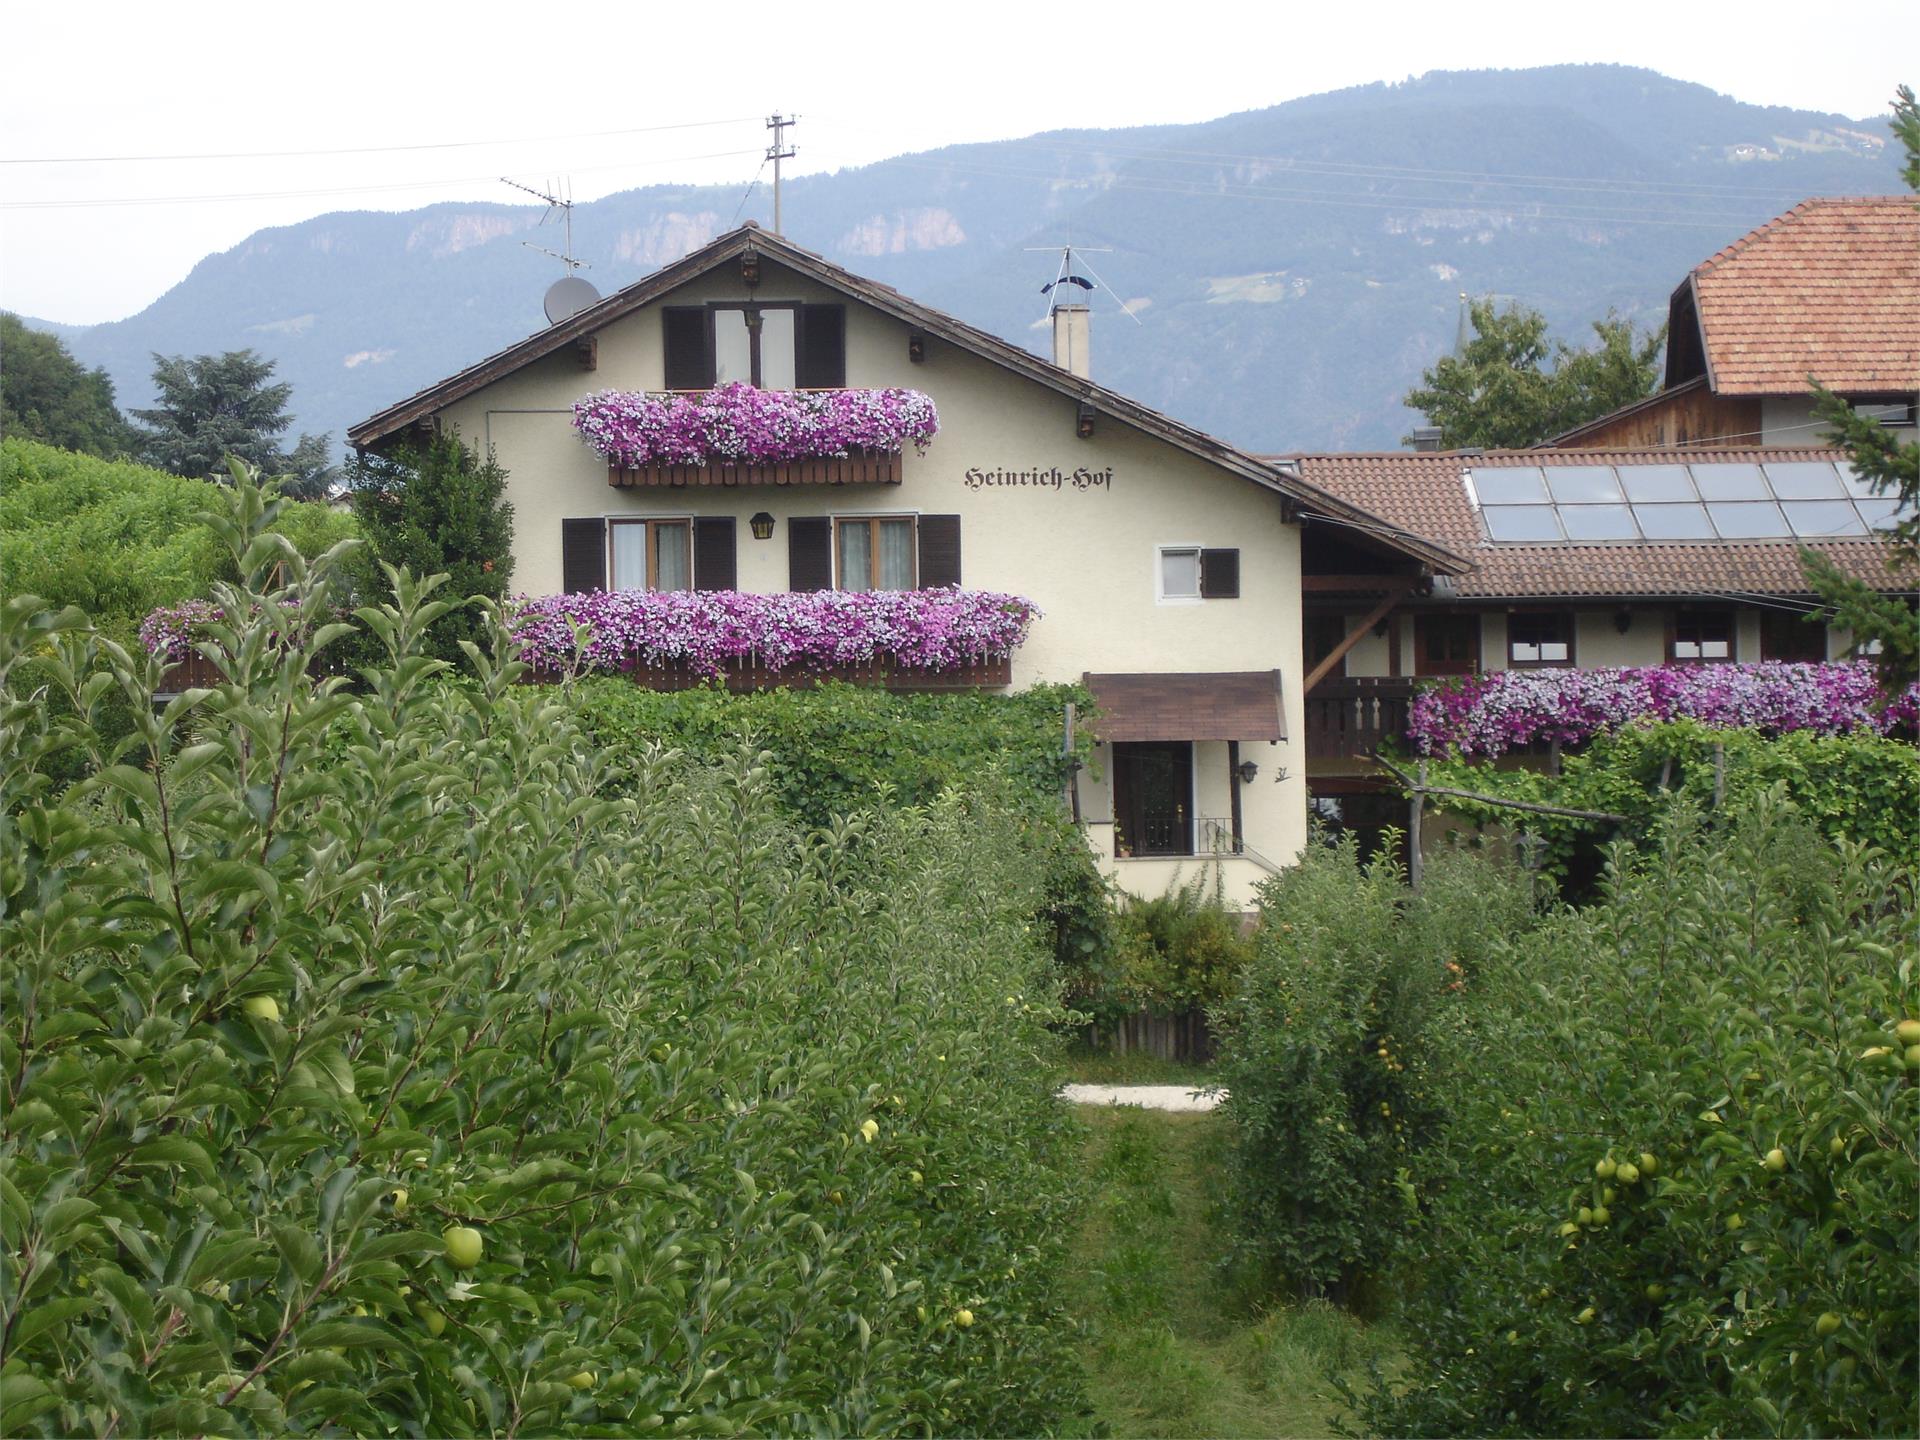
<point x="822" y="343"/>
<point x="689" y="355"/>
<point x="939" y="551"/>
<point x="1220" y="574"/>
<point x="714" y="566"/>
<point x="583" y="555"/>
<point x="810" y="553"/>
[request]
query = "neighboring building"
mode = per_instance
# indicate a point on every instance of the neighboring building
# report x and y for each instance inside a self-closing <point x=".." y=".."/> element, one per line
<point x="1580" y="558"/>
<point x="1169" y="566"/>
<point x="1831" y="290"/>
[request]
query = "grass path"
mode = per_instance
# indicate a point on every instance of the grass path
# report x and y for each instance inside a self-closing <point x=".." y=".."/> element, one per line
<point x="1172" y="1349"/>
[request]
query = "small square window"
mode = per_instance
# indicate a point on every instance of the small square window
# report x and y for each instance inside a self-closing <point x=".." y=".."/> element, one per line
<point x="1180" y="573"/>
<point x="1539" y="638"/>
<point x="1702" y="639"/>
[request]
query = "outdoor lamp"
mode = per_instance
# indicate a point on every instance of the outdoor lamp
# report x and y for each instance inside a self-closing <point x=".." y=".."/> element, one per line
<point x="762" y="524"/>
<point x="1246" y="770"/>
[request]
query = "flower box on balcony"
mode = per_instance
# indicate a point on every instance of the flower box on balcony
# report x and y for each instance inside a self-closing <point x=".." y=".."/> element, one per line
<point x="868" y="467"/>
<point x="751" y="673"/>
<point x="735" y="434"/>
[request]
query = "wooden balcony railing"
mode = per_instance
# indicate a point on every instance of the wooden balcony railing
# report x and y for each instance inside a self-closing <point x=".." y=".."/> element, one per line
<point x="750" y="674"/>
<point x="864" y="468"/>
<point x="1350" y="718"/>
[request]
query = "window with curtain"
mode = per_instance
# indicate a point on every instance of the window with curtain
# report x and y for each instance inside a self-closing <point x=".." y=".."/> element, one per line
<point x="875" y="553"/>
<point x="651" y="554"/>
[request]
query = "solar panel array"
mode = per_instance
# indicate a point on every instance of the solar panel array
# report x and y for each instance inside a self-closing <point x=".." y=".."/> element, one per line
<point x="1722" y="500"/>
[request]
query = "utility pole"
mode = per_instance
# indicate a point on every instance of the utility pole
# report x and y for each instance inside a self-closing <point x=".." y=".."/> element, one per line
<point x="777" y="152"/>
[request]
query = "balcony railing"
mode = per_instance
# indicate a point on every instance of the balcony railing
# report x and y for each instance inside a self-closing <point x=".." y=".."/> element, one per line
<point x="1348" y="719"/>
<point x="747" y="673"/>
<point x="873" y="467"/>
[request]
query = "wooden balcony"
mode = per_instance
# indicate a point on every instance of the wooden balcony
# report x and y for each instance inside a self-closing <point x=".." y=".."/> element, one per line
<point x="749" y="674"/>
<point x="1349" y="718"/>
<point x="871" y="467"/>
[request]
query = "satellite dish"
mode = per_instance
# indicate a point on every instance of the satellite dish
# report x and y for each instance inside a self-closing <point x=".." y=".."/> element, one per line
<point x="568" y="297"/>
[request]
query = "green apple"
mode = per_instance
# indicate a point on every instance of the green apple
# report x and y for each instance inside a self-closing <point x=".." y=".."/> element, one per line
<point x="1648" y="1165"/>
<point x="1585" y="1317"/>
<point x="1826" y="1324"/>
<point x="1907" y="1032"/>
<point x="963" y="1318"/>
<point x="1776" y="1160"/>
<point x="1626" y="1173"/>
<point x="464" y="1246"/>
<point x="1655" y="1292"/>
<point x="1603" y="1169"/>
<point x="1602" y="1215"/>
<point x="261" y="1007"/>
<point x="581" y="1379"/>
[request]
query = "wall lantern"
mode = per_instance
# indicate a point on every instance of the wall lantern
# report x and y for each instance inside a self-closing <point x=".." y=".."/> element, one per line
<point x="1084" y="428"/>
<point x="762" y="525"/>
<point x="1246" y="770"/>
<point x="1623" y="620"/>
<point x="916" y="346"/>
<point x="750" y="268"/>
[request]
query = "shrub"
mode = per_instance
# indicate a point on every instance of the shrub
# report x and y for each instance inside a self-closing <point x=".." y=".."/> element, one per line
<point x="743" y="1118"/>
<point x="1860" y="786"/>
<point x="1679" y="1191"/>
<point x="1337" y="1081"/>
<point x="1171" y="954"/>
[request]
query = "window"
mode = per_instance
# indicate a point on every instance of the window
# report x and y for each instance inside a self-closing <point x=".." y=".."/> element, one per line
<point x="1446" y="644"/>
<point x="874" y="553"/>
<point x="1788" y="635"/>
<point x="778" y="345"/>
<point x="651" y="554"/>
<point x="1539" y="638"/>
<point x="1704" y="638"/>
<point x="1189" y="572"/>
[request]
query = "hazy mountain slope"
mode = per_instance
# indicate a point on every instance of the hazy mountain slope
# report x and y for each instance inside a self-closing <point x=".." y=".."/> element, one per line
<point x="1294" y="268"/>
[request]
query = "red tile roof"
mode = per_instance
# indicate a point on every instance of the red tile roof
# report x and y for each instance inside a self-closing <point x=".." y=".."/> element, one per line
<point x="1427" y="494"/>
<point x="1829" y="289"/>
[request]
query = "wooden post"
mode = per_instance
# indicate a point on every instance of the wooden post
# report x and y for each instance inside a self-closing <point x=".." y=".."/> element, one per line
<point x="1233" y="793"/>
<point x="1414" y="815"/>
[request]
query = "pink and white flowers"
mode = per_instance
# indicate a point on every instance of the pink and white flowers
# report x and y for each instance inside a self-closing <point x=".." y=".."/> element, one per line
<point x="736" y="423"/>
<point x="1488" y="715"/>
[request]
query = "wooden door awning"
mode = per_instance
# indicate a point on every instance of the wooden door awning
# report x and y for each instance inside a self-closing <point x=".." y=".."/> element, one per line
<point x="1220" y="705"/>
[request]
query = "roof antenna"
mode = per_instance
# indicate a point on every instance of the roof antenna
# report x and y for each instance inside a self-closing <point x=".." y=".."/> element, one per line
<point x="1065" y="275"/>
<point x="570" y="294"/>
<point x="1464" y="335"/>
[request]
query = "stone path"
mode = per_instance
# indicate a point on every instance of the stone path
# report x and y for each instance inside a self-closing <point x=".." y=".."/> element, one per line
<point x="1148" y="1097"/>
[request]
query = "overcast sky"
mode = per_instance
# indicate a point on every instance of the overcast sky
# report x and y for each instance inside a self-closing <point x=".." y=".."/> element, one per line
<point x="441" y="100"/>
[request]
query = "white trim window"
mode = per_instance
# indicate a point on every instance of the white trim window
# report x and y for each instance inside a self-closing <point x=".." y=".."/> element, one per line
<point x="1176" y="574"/>
<point x="650" y="553"/>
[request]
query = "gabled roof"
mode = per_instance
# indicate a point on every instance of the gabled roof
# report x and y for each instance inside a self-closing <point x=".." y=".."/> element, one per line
<point x="1427" y="493"/>
<point x="1829" y="289"/>
<point x="1280" y="479"/>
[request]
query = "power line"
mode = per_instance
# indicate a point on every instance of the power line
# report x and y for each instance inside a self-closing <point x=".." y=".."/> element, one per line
<point x="364" y="149"/>
<point x="134" y="200"/>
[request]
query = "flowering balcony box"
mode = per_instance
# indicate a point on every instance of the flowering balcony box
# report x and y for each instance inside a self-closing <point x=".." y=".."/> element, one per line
<point x="946" y="639"/>
<point x="735" y="434"/>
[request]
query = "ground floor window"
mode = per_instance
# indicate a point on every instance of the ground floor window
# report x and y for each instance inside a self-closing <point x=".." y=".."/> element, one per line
<point x="651" y="554"/>
<point x="1703" y="637"/>
<point x="875" y="553"/>
<point x="1153" y="798"/>
<point x="1539" y="638"/>
<point x="1788" y="635"/>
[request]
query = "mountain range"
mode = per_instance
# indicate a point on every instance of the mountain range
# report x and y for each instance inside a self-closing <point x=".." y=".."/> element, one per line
<point x="1279" y="277"/>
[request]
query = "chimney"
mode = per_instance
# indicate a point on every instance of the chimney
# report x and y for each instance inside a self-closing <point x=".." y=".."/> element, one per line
<point x="1426" y="438"/>
<point x="1073" y="339"/>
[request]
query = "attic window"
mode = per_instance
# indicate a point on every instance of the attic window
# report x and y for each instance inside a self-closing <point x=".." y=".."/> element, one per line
<point x="779" y="345"/>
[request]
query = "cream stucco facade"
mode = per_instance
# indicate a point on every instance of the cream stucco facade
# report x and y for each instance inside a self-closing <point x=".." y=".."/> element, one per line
<point x="1083" y="543"/>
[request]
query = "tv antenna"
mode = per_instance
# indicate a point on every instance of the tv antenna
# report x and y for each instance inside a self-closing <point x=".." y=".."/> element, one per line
<point x="564" y="204"/>
<point x="1065" y="274"/>
<point x="570" y="294"/>
<point x="777" y="152"/>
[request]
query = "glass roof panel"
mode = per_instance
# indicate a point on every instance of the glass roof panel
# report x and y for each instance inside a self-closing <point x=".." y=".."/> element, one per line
<point x="1811" y="519"/>
<point x="1673" y="522"/>
<point x="1657" y="482"/>
<point x="1804" y="480"/>
<point x="1521" y="522"/>
<point x="1582" y="484"/>
<point x="1749" y="521"/>
<point x="1599" y="522"/>
<point x="1882" y="514"/>
<point x="1857" y="485"/>
<point x="1515" y="485"/>
<point x="1730" y="482"/>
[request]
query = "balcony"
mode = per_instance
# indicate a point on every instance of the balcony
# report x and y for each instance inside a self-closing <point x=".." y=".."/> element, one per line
<point x="736" y="434"/>
<point x="868" y="467"/>
<point x="1350" y="718"/>
<point x="749" y="673"/>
